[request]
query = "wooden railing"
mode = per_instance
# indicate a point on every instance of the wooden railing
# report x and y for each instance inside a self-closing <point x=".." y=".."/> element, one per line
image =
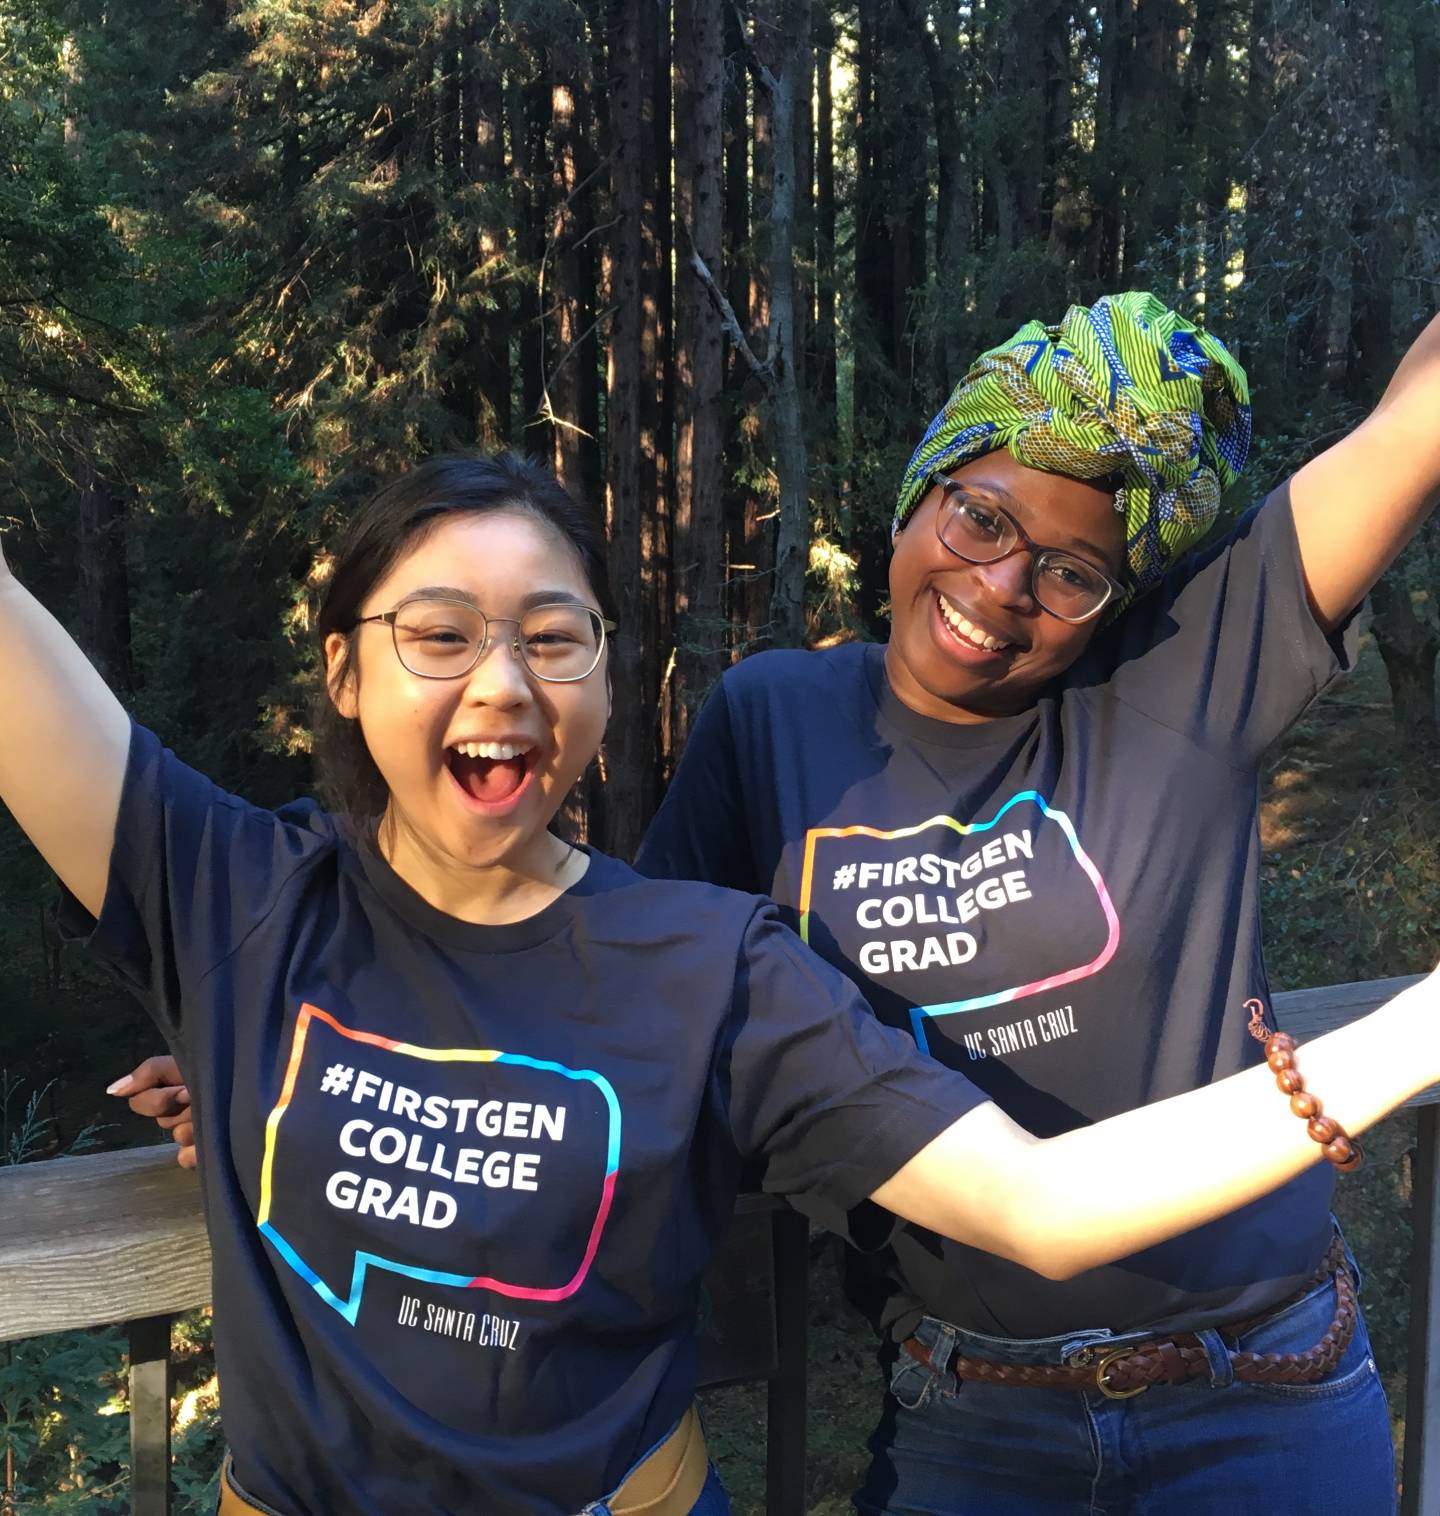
<point x="118" y="1237"/>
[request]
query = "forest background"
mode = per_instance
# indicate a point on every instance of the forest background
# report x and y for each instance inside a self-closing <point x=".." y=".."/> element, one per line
<point x="718" y="264"/>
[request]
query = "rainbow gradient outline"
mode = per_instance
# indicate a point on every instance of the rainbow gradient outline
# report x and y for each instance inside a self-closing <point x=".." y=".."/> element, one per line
<point x="350" y="1308"/>
<point x="920" y="1013"/>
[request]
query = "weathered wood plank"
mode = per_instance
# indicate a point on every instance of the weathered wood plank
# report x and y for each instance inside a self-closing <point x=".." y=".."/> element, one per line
<point x="1309" y="1013"/>
<point x="116" y="1236"/>
<point x="97" y="1239"/>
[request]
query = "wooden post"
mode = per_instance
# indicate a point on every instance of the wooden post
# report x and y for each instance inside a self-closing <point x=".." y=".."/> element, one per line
<point x="1422" y="1395"/>
<point x="150" y="1416"/>
<point x="785" y="1405"/>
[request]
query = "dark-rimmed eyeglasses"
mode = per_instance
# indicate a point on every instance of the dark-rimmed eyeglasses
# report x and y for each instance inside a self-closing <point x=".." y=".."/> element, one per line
<point x="979" y="531"/>
<point x="445" y="639"/>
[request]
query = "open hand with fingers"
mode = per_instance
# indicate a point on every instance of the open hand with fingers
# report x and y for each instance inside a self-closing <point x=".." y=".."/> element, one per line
<point x="156" y="1088"/>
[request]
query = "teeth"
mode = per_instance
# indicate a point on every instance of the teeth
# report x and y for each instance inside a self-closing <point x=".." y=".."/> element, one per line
<point x="968" y="630"/>
<point x="498" y="751"/>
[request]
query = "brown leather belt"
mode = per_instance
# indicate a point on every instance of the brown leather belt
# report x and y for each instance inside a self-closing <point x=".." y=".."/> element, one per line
<point x="666" y="1482"/>
<point x="1126" y="1371"/>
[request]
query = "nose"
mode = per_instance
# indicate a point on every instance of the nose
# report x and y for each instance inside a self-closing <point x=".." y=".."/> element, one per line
<point x="1007" y="580"/>
<point x="499" y="678"/>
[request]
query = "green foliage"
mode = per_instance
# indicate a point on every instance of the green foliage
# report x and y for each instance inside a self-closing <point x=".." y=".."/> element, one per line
<point x="61" y="1423"/>
<point x="26" y="1134"/>
<point x="1369" y="897"/>
<point x="64" y="1422"/>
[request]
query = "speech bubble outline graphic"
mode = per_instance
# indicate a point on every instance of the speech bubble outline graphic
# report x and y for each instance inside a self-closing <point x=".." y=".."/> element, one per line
<point x="350" y="1308"/>
<point x="920" y="1013"/>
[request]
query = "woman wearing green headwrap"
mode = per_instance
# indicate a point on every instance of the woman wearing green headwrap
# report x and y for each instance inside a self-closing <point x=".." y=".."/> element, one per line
<point x="1032" y="812"/>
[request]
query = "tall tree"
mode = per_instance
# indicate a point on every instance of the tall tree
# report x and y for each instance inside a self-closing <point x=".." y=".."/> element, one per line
<point x="631" y="498"/>
<point x="699" y="526"/>
<point x="784" y="70"/>
<point x="823" y="367"/>
<point x="104" y="630"/>
<point x="487" y="169"/>
<point x="564" y="294"/>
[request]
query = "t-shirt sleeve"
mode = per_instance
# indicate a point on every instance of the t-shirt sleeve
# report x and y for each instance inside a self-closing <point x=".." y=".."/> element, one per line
<point x="1227" y="651"/>
<point x="700" y="831"/>
<point x="832" y="1102"/>
<point x="193" y="871"/>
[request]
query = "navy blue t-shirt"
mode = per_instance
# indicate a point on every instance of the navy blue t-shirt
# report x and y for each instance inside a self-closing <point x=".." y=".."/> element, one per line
<point x="461" y="1181"/>
<point x="1062" y="904"/>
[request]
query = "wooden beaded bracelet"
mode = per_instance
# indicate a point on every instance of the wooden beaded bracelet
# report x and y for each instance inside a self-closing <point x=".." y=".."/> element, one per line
<point x="1335" y="1142"/>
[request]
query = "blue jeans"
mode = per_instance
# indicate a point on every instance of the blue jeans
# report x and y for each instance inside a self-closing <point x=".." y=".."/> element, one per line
<point x="713" y="1500"/>
<point x="1213" y="1448"/>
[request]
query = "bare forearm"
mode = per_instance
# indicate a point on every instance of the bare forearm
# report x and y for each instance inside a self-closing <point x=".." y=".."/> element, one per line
<point x="1359" y="502"/>
<point x="63" y="743"/>
<point x="1128" y="1183"/>
<point x="1073" y="1202"/>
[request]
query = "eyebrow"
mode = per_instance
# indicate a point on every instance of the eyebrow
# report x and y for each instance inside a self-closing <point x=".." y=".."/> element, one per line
<point x="1018" y="507"/>
<point x="527" y="602"/>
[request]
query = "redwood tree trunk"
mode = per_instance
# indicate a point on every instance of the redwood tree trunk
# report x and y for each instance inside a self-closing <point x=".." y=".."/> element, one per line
<point x="486" y="129"/>
<point x="1408" y="647"/>
<point x="658" y="392"/>
<point x="754" y="542"/>
<point x="699" y="534"/>
<point x="630" y="744"/>
<point x="564" y="314"/>
<point x="873" y="290"/>
<point x="529" y="112"/>
<point x="826" y="294"/>
<point x="104" y="578"/>
<point x="746" y="596"/>
<point x="790" y="74"/>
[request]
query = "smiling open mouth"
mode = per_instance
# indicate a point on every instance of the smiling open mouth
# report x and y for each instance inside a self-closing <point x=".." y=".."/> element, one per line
<point x="490" y="772"/>
<point x="966" y="631"/>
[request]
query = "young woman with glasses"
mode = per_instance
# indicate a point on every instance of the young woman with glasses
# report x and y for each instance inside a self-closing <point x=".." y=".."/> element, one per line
<point x="1069" y="718"/>
<point x="472" y="1101"/>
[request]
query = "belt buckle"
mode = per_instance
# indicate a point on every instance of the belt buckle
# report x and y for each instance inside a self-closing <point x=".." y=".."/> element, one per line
<point x="1102" y="1369"/>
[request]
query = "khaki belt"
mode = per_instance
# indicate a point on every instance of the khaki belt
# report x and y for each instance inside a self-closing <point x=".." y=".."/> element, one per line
<point x="1126" y="1371"/>
<point x="667" y="1482"/>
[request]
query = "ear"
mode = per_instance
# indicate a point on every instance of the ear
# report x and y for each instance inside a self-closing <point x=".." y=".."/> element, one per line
<point x="340" y="676"/>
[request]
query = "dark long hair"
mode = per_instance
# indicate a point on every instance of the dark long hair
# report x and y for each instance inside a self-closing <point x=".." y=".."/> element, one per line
<point x="390" y="524"/>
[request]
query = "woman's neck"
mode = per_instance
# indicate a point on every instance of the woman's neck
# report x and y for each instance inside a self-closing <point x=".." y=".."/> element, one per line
<point x="909" y="692"/>
<point x="487" y="894"/>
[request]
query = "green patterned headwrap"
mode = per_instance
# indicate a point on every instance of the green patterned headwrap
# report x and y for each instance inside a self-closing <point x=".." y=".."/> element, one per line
<point x="1124" y="390"/>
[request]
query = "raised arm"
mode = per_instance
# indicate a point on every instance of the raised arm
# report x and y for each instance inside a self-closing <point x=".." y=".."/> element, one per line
<point x="1065" y="1204"/>
<point x="63" y="743"/>
<point x="1360" y="501"/>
